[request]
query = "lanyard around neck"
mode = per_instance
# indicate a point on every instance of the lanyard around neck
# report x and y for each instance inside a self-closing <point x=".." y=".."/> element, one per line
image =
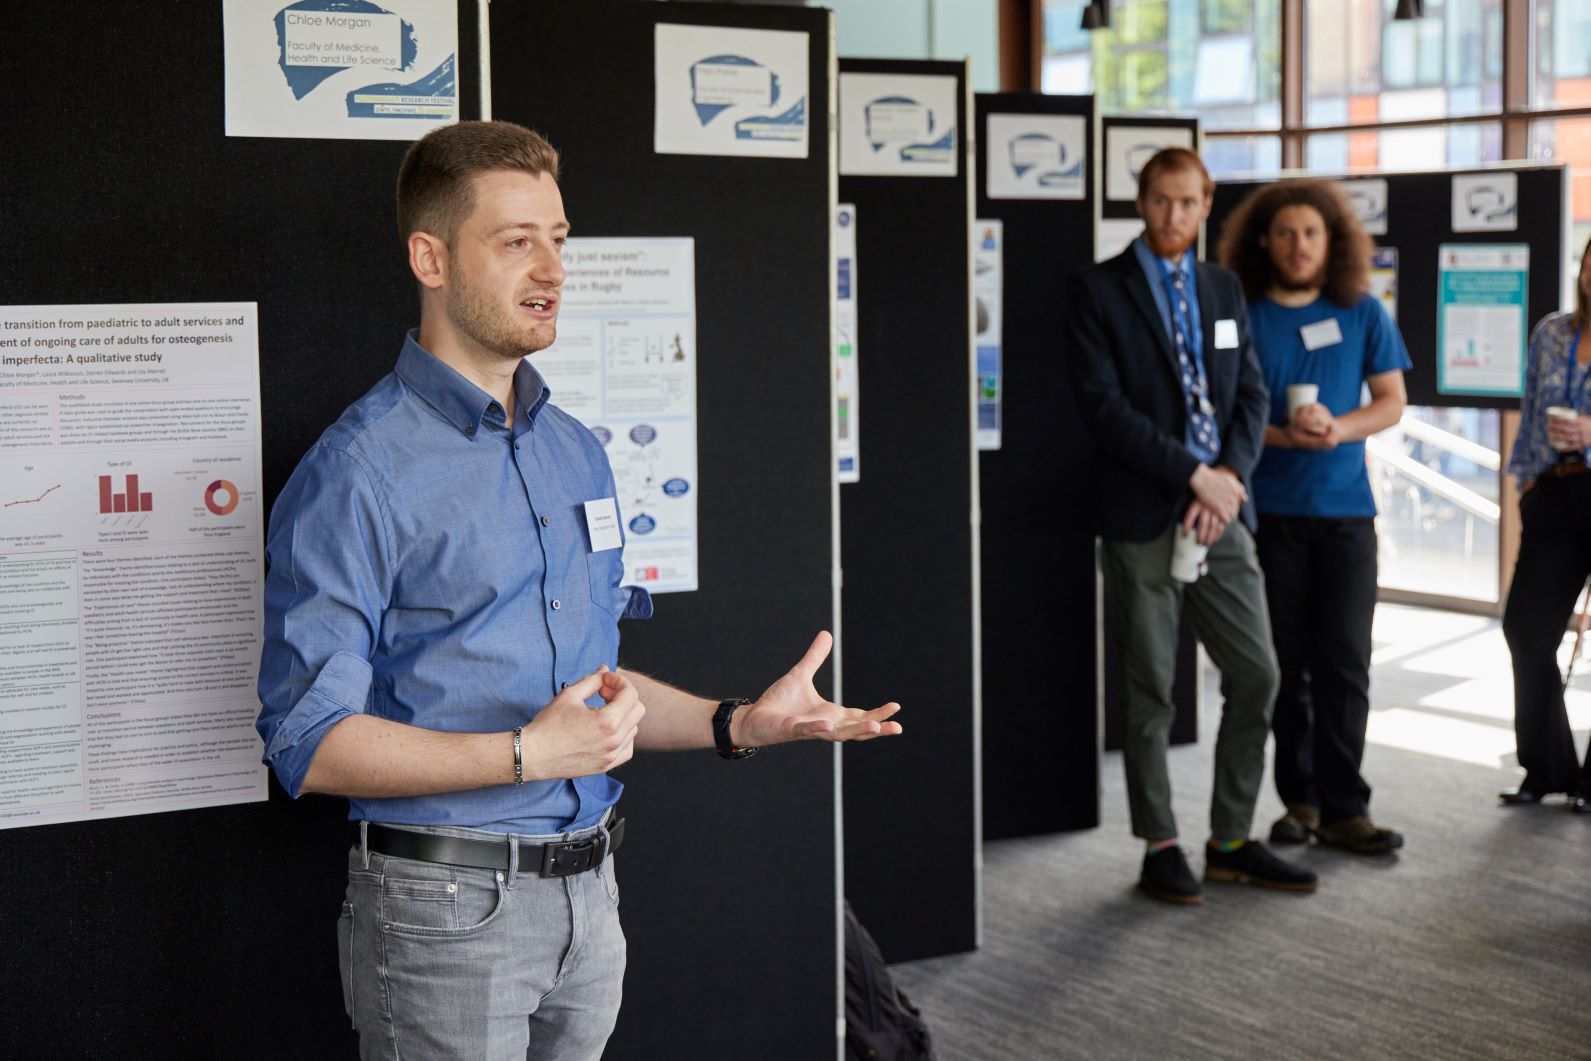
<point x="1568" y="375"/>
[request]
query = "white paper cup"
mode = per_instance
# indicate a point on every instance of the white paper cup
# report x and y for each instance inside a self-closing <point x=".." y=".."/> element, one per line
<point x="1187" y="556"/>
<point x="1300" y="395"/>
<point x="1563" y="414"/>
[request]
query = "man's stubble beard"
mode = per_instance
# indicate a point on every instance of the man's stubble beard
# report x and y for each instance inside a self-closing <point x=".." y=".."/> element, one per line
<point x="1316" y="280"/>
<point x="477" y="315"/>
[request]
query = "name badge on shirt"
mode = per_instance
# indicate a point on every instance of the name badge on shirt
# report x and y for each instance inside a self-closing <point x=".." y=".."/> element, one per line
<point x="1226" y="334"/>
<point x="602" y="523"/>
<point x="1321" y="333"/>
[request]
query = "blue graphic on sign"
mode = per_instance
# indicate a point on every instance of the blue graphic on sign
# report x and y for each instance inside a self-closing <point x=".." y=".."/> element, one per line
<point x="790" y="125"/>
<point x="643" y="524"/>
<point x="941" y="150"/>
<point x="676" y="488"/>
<point x="604" y="436"/>
<point x="845" y="219"/>
<point x="643" y="434"/>
<point x="305" y="79"/>
<point x="845" y="278"/>
<point x="440" y="86"/>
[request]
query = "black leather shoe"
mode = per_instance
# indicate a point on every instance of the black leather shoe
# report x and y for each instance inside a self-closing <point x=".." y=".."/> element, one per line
<point x="1166" y="876"/>
<point x="1520" y="797"/>
<point x="1253" y="863"/>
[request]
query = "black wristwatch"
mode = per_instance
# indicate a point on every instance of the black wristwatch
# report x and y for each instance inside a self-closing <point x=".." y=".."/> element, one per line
<point x="721" y="717"/>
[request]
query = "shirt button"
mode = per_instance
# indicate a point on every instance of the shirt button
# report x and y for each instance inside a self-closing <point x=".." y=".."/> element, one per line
<point x="557" y="604"/>
<point x="562" y="686"/>
<point x="470" y="431"/>
<point x="546" y="521"/>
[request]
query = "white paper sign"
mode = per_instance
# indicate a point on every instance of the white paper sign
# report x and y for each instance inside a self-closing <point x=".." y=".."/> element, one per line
<point x="1485" y="202"/>
<point x="1128" y="147"/>
<point x="898" y="125"/>
<point x="132" y="536"/>
<point x="1482" y="296"/>
<point x="1035" y="156"/>
<point x="726" y="91"/>
<point x="1368" y="198"/>
<point x="847" y="372"/>
<point x="1114" y="235"/>
<point x="625" y="366"/>
<point x="328" y="69"/>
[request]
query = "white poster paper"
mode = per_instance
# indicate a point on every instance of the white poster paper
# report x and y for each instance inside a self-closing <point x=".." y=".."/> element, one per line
<point x="131" y="545"/>
<point x="1482" y="292"/>
<point x="340" y="69"/>
<point x="1035" y="156"/>
<point x="625" y="366"/>
<point x="1128" y="147"/>
<point x="1485" y="202"/>
<point x="1368" y="197"/>
<point x="988" y="289"/>
<point x="726" y="91"/>
<point x="898" y="125"/>
<point x="1114" y="235"/>
<point x="847" y="378"/>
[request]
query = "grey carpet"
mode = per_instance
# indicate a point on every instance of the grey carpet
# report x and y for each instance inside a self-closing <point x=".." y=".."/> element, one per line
<point x="1474" y="942"/>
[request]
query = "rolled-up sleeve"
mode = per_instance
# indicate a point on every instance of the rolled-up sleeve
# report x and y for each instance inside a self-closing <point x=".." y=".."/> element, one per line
<point x="328" y="583"/>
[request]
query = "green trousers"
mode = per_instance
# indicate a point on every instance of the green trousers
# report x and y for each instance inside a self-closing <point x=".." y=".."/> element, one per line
<point x="1227" y="608"/>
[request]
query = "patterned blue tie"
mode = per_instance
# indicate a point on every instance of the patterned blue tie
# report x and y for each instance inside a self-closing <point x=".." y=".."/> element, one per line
<point x="1201" y="422"/>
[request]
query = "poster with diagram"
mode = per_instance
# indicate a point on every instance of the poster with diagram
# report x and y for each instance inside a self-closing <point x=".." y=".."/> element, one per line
<point x="625" y="366"/>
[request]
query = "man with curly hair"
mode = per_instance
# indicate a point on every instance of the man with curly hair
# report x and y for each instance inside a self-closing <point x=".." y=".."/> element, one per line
<point x="1304" y="260"/>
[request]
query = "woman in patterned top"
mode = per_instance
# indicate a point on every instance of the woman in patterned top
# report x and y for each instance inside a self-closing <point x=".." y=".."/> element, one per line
<point x="1549" y="458"/>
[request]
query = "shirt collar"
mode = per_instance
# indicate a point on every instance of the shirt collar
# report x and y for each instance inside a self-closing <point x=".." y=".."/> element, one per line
<point x="457" y="400"/>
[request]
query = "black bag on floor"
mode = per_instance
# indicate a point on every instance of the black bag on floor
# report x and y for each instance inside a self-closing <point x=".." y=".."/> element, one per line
<point x="880" y="1023"/>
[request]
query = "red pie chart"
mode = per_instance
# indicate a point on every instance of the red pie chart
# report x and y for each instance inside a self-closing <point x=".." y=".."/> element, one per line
<point x="221" y="497"/>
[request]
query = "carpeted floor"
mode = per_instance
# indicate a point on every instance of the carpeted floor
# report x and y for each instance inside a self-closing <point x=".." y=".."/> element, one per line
<point x="1473" y="942"/>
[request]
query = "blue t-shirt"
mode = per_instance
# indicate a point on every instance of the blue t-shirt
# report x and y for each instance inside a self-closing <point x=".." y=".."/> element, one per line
<point x="1300" y="482"/>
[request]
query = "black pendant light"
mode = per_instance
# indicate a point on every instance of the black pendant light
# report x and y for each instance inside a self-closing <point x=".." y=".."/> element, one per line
<point x="1408" y="10"/>
<point x="1096" y="14"/>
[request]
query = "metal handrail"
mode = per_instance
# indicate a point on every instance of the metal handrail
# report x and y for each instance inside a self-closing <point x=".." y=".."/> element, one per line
<point x="1474" y="452"/>
<point x="1435" y="482"/>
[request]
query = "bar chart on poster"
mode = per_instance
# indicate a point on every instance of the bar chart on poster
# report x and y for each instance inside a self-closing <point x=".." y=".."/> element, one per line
<point x="131" y="543"/>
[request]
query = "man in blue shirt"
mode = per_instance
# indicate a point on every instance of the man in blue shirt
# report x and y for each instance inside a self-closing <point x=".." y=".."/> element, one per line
<point x="441" y="643"/>
<point x="1304" y="260"/>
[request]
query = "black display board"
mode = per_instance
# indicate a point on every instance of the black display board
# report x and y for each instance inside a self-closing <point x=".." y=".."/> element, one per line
<point x="1419" y="220"/>
<point x="202" y="933"/>
<point x="209" y="933"/>
<point x="729" y="874"/>
<point x="1040" y="759"/>
<point x="907" y="550"/>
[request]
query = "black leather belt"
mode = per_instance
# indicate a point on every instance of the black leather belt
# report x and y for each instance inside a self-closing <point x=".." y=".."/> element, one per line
<point x="558" y="859"/>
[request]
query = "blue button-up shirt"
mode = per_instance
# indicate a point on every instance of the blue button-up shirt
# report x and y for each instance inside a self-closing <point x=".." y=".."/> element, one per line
<point x="1553" y="376"/>
<point x="430" y="564"/>
<point x="1156" y="271"/>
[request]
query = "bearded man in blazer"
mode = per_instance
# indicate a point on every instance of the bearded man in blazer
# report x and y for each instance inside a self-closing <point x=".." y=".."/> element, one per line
<point x="1174" y="397"/>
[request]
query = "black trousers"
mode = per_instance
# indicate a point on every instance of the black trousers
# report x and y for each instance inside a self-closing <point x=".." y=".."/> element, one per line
<point x="1320" y="582"/>
<point x="1554" y="560"/>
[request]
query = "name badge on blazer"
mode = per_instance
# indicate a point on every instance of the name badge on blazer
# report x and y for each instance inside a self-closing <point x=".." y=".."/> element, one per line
<point x="1226" y="334"/>
<point x="1321" y="333"/>
<point x="602" y="523"/>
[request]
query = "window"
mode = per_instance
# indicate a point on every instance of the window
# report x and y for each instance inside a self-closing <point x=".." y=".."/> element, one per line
<point x="1563" y="53"/>
<point x="1569" y="140"/>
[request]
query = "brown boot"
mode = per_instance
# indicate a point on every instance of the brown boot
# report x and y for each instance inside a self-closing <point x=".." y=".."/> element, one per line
<point x="1296" y="826"/>
<point x="1359" y="835"/>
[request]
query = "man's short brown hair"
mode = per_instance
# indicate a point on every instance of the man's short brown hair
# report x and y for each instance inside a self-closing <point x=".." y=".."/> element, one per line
<point x="436" y="183"/>
<point x="1173" y="160"/>
<point x="1348" y="246"/>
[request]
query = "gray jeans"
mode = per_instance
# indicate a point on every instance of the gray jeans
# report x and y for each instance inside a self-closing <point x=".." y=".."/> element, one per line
<point x="450" y="962"/>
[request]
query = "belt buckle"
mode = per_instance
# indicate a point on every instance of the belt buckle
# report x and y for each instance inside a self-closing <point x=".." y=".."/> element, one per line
<point x="574" y="856"/>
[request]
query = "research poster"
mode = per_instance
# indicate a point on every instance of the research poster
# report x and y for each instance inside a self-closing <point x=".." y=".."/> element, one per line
<point x="340" y="69"/>
<point x="1485" y="202"/>
<point x="988" y="242"/>
<point x="847" y="380"/>
<point x="1128" y="147"/>
<point x="1368" y="198"/>
<point x="131" y="560"/>
<point x="625" y="366"/>
<point x="726" y="91"/>
<point x="898" y="125"/>
<point x="1384" y="279"/>
<point x="1481" y="318"/>
<point x="1114" y="235"/>
<point x="1035" y="156"/>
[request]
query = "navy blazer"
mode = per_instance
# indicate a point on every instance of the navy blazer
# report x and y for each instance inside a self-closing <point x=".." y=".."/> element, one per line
<point x="1130" y="394"/>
